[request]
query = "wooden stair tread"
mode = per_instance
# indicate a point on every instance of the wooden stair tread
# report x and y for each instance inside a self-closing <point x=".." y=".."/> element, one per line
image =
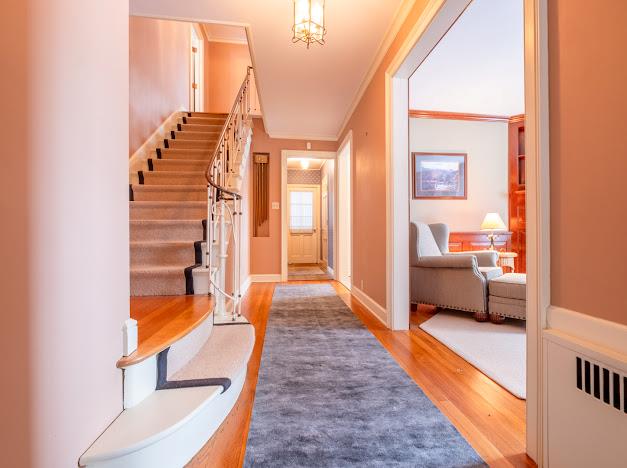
<point x="163" y="320"/>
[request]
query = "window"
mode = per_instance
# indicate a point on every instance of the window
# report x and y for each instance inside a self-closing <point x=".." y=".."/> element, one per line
<point x="301" y="210"/>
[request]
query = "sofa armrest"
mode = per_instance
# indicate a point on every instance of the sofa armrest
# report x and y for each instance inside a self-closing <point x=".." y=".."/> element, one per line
<point x="447" y="261"/>
<point x="485" y="258"/>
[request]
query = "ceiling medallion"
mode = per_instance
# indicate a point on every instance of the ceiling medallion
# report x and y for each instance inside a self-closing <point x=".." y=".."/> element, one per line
<point x="309" y="22"/>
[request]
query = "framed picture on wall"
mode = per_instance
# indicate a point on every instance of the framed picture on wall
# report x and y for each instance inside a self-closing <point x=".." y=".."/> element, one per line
<point x="440" y="176"/>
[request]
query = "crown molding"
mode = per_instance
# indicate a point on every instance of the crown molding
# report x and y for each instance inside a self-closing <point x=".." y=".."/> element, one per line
<point x="288" y="136"/>
<point x="227" y="41"/>
<point x="399" y="18"/>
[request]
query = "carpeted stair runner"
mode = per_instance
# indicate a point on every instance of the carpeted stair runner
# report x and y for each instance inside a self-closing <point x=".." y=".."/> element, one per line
<point x="168" y="206"/>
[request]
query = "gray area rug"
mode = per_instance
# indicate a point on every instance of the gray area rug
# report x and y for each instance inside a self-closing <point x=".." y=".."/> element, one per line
<point x="329" y="395"/>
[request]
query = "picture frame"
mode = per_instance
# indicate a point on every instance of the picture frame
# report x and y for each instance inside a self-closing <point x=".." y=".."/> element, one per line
<point x="439" y="176"/>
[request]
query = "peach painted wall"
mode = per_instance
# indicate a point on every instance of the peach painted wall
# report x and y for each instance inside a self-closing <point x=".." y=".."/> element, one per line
<point x="65" y="286"/>
<point x="225" y="69"/>
<point x="159" y="60"/>
<point x="588" y="72"/>
<point x="17" y="395"/>
<point x="368" y="174"/>
<point x="265" y="252"/>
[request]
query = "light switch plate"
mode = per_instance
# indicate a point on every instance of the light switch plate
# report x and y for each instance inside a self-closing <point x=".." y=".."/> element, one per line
<point x="275" y="205"/>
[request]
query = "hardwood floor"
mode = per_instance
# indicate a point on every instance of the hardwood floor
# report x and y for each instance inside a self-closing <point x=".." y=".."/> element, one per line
<point x="489" y="417"/>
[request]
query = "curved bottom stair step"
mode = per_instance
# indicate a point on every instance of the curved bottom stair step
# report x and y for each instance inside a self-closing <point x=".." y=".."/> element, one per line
<point x="224" y="354"/>
<point x="167" y="429"/>
<point x="170" y="426"/>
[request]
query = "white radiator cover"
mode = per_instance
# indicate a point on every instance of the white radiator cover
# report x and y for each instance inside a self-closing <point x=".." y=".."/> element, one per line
<point x="581" y="430"/>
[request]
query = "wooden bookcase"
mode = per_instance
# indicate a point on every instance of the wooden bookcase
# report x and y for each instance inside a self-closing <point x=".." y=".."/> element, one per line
<point x="517" y="175"/>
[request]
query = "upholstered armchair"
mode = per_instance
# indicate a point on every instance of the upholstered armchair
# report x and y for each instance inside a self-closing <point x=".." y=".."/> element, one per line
<point x="450" y="280"/>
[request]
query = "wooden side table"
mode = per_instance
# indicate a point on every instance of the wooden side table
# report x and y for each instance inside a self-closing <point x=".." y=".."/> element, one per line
<point x="506" y="260"/>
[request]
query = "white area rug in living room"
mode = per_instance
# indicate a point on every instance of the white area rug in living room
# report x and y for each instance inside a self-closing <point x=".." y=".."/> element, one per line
<point x="499" y="351"/>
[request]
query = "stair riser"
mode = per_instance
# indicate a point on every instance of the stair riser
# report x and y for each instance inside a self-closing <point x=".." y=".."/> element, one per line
<point x="181" y="195"/>
<point x="181" y="232"/>
<point x="168" y="213"/>
<point x="158" y="284"/>
<point x="215" y="128"/>
<point x="192" y="144"/>
<point x="212" y="136"/>
<point x="162" y="255"/>
<point x="179" y="165"/>
<point x="204" y="121"/>
<point x="170" y="178"/>
<point x="184" y="154"/>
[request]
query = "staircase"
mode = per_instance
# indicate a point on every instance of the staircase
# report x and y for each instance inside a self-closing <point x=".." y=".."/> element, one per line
<point x="191" y="362"/>
<point x="168" y="208"/>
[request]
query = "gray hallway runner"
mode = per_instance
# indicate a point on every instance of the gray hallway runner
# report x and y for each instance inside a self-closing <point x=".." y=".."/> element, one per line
<point x="329" y="395"/>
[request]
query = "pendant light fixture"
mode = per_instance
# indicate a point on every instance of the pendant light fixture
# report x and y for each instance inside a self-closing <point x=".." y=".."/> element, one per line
<point x="309" y="22"/>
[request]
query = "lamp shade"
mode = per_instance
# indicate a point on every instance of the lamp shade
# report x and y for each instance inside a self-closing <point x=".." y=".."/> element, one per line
<point x="493" y="222"/>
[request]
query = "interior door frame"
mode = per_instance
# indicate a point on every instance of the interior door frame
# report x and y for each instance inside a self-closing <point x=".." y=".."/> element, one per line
<point x="317" y="212"/>
<point x="197" y="30"/>
<point x="437" y="17"/>
<point x="285" y="155"/>
<point x="348" y="140"/>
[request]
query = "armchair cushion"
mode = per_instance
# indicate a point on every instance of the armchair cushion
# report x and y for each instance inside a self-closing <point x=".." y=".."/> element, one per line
<point x="447" y="261"/>
<point x="490" y="273"/>
<point x="427" y="246"/>
<point x="485" y="258"/>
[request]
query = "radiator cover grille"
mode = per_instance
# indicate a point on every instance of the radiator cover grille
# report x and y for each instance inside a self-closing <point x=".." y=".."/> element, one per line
<point x="603" y="384"/>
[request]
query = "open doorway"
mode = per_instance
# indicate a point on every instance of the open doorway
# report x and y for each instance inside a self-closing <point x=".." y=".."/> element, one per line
<point x="309" y="202"/>
<point x="421" y="42"/>
<point x="466" y="139"/>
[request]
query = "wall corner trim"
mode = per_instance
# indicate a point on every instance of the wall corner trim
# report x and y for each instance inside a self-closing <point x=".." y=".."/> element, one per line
<point x="601" y="332"/>
<point x="371" y="305"/>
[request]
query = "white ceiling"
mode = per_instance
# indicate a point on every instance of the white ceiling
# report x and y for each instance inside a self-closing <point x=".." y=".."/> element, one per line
<point x="478" y="67"/>
<point x="314" y="164"/>
<point x="304" y="93"/>
<point x="225" y="33"/>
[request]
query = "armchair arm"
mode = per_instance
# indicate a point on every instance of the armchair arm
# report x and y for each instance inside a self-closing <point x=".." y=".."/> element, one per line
<point x="447" y="261"/>
<point x="485" y="258"/>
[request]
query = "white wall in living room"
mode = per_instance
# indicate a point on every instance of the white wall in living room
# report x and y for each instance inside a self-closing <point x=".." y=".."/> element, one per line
<point x="485" y="143"/>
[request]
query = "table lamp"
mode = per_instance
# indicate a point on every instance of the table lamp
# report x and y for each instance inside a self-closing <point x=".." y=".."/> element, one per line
<point x="492" y="222"/>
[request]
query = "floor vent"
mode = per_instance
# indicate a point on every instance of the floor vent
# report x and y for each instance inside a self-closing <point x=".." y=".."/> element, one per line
<point x="602" y="383"/>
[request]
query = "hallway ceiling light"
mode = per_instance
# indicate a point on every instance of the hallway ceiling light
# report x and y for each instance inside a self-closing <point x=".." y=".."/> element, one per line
<point x="309" y="21"/>
<point x="304" y="163"/>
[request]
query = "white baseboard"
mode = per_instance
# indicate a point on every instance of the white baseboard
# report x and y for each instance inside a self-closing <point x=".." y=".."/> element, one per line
<point x="373" y="307"/>
<point x="610" y="335"/>
<point x="271" y="278"/>
<point x="138" y="161"/>
<point x="330" y="271"/>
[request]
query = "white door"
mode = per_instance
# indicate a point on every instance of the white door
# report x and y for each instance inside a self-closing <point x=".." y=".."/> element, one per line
<point x="344" y="220"/>
<point x="324" y="222"/>
<point x="303" y="219"/>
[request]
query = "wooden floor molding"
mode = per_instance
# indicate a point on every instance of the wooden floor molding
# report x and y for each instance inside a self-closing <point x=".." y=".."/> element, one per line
<point x="488" y="416"/>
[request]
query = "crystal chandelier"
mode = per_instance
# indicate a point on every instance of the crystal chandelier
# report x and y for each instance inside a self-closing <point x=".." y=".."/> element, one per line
<point x="309" y="21"/>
